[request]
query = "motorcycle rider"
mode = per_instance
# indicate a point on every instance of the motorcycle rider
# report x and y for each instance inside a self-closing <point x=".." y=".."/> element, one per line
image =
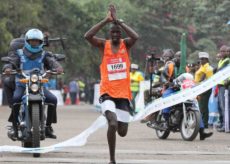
<point x="175" y="65"/>
<point x="167" y="77"/>
<point x="29" y="57"/>
<point x="9" y="80"/>
<point x="190" y="79"/>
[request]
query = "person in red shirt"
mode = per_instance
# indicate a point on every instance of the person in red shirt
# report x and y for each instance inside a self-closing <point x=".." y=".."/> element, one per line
<point x="115" y="91"/>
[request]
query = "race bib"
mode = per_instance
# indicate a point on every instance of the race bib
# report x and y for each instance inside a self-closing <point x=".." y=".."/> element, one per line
<point x="116" y="69"/>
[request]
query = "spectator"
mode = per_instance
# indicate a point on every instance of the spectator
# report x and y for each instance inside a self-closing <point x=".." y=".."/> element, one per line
<point x="223" y="62"/>
<point x="73" y="90"/>
<point x="60" y="84"/>
<point x="65" y="91"/>
<point x="136" y="77"/>
<point x="82" y="88"/>
<point x="204" y="72"/>
<point x="213" y="108"/>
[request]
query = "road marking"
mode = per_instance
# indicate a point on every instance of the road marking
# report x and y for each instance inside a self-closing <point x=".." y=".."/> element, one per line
<point x="144" y="152"/>
<point x="101" y="161"/>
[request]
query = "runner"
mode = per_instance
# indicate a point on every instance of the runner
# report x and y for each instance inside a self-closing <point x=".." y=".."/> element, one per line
<point x="115" y="75"/>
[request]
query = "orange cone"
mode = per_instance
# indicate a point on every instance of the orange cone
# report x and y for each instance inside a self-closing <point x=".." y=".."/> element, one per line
<point x="77" y="100"/>
<point x="67" y="100"/>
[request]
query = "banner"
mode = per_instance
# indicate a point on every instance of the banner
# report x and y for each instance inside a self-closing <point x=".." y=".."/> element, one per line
<point x="152" y="107"/>
<point x="1" y="96"/>
<point x="226" y="111"/>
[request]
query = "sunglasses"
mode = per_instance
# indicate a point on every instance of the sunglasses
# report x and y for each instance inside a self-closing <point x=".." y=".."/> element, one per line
<point x="190" y="65"/>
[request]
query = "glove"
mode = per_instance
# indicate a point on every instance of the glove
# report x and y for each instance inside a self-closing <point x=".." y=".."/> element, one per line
<point x="59" y="70"/>
<point x="7" y="71"/>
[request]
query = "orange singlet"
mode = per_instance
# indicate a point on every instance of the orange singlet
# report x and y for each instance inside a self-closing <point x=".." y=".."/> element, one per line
<point x="115" y="74"/>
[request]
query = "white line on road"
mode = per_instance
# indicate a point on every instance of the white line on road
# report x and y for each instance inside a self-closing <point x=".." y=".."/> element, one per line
<point x="147" y="152"/>
<point x="104" y="161"/>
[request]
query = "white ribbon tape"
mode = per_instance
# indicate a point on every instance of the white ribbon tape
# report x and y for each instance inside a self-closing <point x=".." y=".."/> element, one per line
<point x="226" y="111"/>
<point x="184" y="95"/>
<point x="154" y="106"/>
<point x="78" y="140"/>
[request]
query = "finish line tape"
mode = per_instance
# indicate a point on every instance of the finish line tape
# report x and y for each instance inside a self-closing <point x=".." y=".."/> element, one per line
<point x="152" y="107"/>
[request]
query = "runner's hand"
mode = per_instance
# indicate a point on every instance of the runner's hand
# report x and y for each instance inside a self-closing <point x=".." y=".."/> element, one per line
<point x="109" y="17"/>
<point x="113" y="12"/>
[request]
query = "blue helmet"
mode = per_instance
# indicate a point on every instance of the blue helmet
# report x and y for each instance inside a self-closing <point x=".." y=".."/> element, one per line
<point x="34" y="34"/>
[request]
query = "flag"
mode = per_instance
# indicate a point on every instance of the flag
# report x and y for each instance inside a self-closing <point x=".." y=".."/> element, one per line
<point x="183" y="48"/>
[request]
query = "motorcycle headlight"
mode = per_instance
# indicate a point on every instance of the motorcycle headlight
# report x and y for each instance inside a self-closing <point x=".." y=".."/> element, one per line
<point x="34" y="78"/>
<point x="34" y="87"/>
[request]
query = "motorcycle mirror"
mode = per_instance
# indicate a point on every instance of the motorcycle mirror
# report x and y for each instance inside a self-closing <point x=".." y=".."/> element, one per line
<point x="5" y="59"/>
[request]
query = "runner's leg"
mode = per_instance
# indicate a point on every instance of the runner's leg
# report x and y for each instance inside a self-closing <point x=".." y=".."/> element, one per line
<point x="123" y="104"/>
<point x="111" y="133"/>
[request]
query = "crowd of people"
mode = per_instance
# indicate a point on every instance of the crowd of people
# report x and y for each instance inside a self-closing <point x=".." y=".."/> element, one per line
<point x="77" y="90"/>
<point x="211" y="102"/>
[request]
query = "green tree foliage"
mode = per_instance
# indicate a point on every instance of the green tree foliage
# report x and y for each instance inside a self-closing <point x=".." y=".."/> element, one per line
<point x="160" y="24"/>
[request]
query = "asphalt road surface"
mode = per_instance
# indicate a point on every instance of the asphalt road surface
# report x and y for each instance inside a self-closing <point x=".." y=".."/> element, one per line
<point x="140" y="146"/>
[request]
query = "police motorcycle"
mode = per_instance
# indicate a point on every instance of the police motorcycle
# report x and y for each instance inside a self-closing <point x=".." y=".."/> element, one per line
<point x="32" y="117"/>
<point x="184" y="117"/>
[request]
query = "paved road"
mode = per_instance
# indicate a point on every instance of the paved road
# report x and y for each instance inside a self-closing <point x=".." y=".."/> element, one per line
<point x="140" y="146"/>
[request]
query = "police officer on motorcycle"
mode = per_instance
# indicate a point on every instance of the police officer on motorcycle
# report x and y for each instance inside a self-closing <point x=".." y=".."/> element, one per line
<point x="29" y="57"/>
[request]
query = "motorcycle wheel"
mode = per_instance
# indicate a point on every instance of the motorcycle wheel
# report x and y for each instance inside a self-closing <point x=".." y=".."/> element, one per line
<point x="190" y="129"/>
<point x="35" y="128"/>
<point x="162" y="134"/>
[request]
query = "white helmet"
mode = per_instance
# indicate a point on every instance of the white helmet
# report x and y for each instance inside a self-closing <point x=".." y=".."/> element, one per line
<point x="134" y="66"/>
<point x="34" y="34"/>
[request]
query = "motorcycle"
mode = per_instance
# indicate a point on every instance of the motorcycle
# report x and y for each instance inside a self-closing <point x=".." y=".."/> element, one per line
<point x="184" y="117"/>
<point x="32" y="117"/>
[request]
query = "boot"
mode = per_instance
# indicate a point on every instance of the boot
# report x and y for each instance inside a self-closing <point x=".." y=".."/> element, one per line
<point x="13" y="133"/>
<point x="49" y="132"/>
<point x="149" y="118"/>
<point x="10" y="119"/>
<point x="204" y="135"/>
